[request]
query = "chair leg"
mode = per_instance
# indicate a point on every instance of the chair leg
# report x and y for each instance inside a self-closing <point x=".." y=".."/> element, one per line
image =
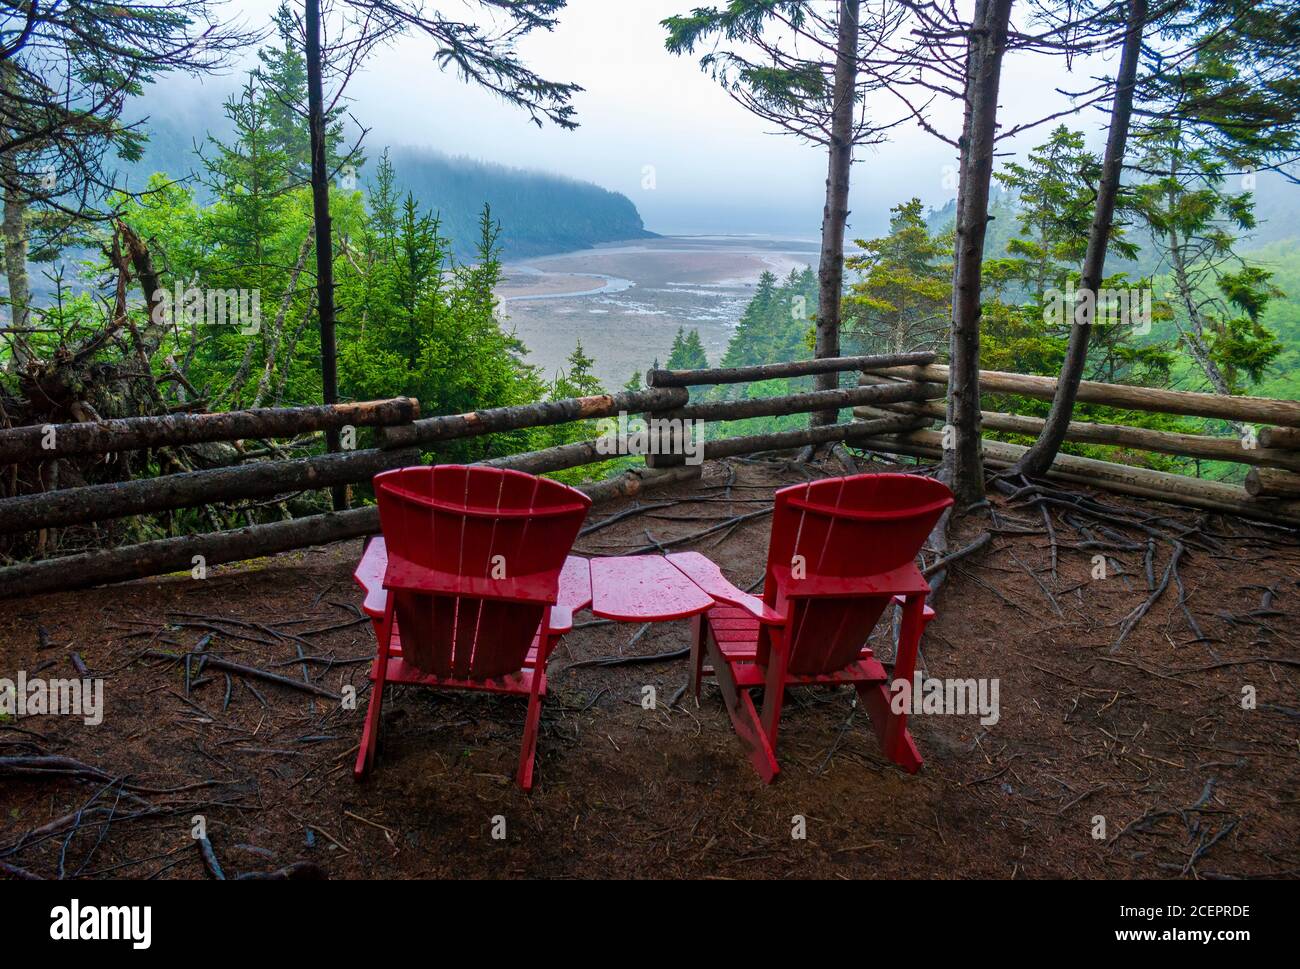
<point x="891" y="728"/>
<point x="743" y="716"/>
<point x="774" y="693"/>
<point x="370" y="732"/>
<point x="699" y="632"/>
<point x="529" y="751"/>
<point x="876" y="698"/>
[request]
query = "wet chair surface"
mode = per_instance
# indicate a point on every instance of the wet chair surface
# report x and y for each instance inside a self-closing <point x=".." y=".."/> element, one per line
<point x="842" y="551"/>
<point x="471" y="586"/>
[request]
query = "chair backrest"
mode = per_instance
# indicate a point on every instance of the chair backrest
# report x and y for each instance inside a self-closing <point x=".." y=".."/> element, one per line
<point x="474" y="559"/>
<point x="844" y="528"/>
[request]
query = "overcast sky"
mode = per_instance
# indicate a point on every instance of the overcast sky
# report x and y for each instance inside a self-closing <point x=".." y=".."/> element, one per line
<point x="716" y="168"/>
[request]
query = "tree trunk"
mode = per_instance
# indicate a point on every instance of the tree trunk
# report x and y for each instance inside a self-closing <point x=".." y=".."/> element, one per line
<point x="188" y="489"/>
<point x="28" y="443"/>
<point x="1176" y="489"/>
<point x="275" y="336"/>
<point x="1272" y="483"/>
<point x="830" y="272"/>
<point x="1201" y="446"/>
<point x="963" y="460"/>
<point x="320" y="197"/>
<point x="15" y="250"/>
<point x="15" y="238"/>
<point x="770" y="371"/>
<point x="1196" y="337"/>
<point x="1039" y="457"/>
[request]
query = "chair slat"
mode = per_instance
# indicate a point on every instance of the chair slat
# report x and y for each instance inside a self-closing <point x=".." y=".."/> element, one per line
<point x="474" y="555"/>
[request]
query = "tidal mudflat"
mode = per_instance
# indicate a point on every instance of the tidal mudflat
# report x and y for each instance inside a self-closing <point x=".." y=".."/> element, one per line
<point x="625" y="301"/>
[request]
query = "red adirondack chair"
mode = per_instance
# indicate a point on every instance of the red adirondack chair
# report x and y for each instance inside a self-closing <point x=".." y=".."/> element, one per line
<point x="842" y="550"/>
<point x="471" y="586"/>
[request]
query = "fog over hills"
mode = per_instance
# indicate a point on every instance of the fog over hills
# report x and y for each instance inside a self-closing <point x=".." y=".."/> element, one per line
<point x="539" y="212"/>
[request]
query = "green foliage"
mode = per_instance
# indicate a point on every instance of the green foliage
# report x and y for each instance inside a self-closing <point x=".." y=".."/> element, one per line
<point x="1216" y="296"/>
<point x="1281" y="316"/>
<point x="282" y="71"/>
<point x="900" y="300"/>
<point x="414" y="319"/>
<point x="687" y="352"/>
<point x="416" y="323"/>
<point x="578" y="380"/>
<point x="774" y="328"/>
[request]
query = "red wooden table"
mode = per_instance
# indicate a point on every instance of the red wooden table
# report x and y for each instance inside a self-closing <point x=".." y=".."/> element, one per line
<point x="644" y="588"/>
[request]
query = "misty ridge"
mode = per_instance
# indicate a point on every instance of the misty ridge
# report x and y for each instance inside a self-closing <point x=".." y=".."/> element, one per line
<point x="540" y="212"/>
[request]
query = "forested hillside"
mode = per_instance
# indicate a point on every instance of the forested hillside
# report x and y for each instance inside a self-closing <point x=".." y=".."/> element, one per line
<point x="540" y="212"/>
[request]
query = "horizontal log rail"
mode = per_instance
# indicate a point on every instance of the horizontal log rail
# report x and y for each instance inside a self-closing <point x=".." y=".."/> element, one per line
<point x="1139" y="482"/>
<point x="1280" y="437"/>
<point x="455" y="426"/>
<point x="731" y="410"/>
<point x="769" y="371"/>
<point x="183" y="553"/>
<point x="104" y="502"/>
<point x="1253" y="410"/>
<point x="897" y="400"/>
<point x="801" y="437"/>
<point x="1201" y="446"/>
<point x="576" y="455"/>
<point x="1272" y="483"/>
<point x="46" y="441"/>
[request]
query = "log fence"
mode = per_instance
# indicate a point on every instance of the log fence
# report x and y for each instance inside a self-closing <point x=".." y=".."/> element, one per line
<point x="1271" y="451"/>
<point x="896" y="402"/>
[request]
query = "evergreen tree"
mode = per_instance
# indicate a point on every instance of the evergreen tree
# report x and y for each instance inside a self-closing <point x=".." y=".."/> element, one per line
<point x="282" y="71"/>
<point x="900" y="300"/>
<point x="687" y="353"/>
<point x="577" y="380"/>
<point x="1217" y="296"/>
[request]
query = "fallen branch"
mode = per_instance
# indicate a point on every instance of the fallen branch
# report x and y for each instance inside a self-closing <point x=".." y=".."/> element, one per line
<point x="239" y="668"/>
<point x="210" y="863"/>
<point x="961" y="553"/>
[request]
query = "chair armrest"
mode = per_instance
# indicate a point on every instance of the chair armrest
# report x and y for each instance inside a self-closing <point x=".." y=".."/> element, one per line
<point x="710" y="579"/>
<point x="561" y="621"/>
<point x="574" y="594"/>
<point x="575" y="584"/>
<point x="369" y="574"/>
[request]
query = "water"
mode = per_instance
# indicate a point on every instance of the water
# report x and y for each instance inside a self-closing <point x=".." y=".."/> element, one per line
<point x="625" y="301"/>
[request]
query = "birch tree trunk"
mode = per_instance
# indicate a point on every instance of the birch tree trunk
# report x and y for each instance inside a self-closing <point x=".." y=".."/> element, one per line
<point x="1195" y="334"/>
<point x="15" y="238"/>
<point x="15" y="251"/>
<point x="275" y="336"/>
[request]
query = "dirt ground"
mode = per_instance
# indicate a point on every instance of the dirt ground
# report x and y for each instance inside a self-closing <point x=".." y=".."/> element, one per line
<point x="1150" y="738"/>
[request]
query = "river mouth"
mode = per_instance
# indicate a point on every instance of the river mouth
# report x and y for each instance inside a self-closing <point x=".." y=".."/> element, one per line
<point x="626" y="300"/>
